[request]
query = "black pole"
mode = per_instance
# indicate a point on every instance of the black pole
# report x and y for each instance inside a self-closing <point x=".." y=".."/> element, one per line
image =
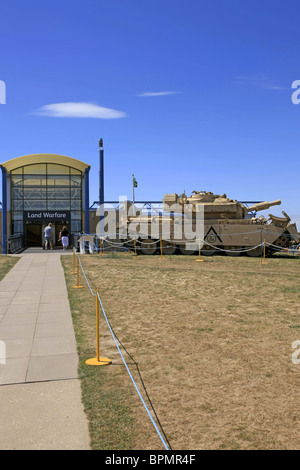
<point x="101" y="173"/>
<point x="101" y="186"/>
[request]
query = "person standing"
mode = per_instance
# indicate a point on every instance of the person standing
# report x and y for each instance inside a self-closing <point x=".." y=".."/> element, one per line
<point x="64" y="237"/>
<point x="48" y="236"/>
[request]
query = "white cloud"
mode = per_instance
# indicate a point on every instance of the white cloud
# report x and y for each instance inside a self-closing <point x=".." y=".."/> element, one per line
<point x="270" y="86"/>
<point x="2" y="92"/>
<point x="158" y="93"/>
<point x="79" y="110"/>
<point x="259" y="80"/>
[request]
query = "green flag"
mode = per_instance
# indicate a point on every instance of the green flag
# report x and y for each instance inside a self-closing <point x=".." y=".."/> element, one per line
<point x="135" y="184"/>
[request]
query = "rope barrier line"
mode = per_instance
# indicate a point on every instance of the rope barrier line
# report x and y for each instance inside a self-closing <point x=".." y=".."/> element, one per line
<point x="156" y="242"/>
<point x="122" y="357"/>
<point x="234" y="251"/>
<point x="86" y="279"/>
<point x="281" y="247"/>
<point x="105" y="240"/>
<point x="205" y="243"/>
<point x="215" y="247"/>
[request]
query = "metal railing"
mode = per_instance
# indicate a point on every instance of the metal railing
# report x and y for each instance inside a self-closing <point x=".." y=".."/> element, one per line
<point x="13" y="244"/>
<point x="3" y="250"/>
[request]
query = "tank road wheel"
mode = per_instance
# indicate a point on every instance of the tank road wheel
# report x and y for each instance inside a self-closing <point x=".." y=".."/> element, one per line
<point x="232" y="250"/>
<point x="148" y="246"/>
<point x="129" y="245"/>
<point x="168" y="248"/>
<point x="271" y="250"/>
<point x="255" y="253"/>
<point x="208" y="250"/>
<point x="186" y="251"/>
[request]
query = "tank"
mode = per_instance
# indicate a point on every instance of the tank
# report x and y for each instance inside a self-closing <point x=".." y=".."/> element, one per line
<point x="230" y="227"/>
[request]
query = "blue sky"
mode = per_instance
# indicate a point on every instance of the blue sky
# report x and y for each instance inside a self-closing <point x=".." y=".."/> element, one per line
<point x="185" y="94"/>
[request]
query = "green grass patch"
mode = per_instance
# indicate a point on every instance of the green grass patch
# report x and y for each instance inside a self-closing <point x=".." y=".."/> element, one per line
<point x="6" y="263"/>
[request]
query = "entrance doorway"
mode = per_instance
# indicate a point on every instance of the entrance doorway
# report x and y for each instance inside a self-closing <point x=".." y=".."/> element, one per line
<point x="34" y="233"/>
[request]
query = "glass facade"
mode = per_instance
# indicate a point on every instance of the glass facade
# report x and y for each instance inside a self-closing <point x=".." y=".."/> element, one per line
<point x="46" y="186"/>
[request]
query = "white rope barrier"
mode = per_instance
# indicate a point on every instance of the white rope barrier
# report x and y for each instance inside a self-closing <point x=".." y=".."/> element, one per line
<point x="140" y="244"/>
<point x="156" y="242"/>
<point x="122" y="357"/>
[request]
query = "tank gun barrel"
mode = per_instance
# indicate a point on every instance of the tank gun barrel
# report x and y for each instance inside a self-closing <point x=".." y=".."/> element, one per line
<point x="260" y="206"/>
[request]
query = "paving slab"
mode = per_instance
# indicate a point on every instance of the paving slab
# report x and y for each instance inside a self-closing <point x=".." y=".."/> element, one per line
<point x="3" y="309"/>
<point x="53" y="346"/>
<point x="54" y="307"/>
<point x="55" y="367"/>
<point x="53" y="421"/>
<point x="21" y="308"/>
<point x="13" y="371"/>
<point x="19" y="318"/>
<point x="40" y="395"/>
<point x="18" y="348"/>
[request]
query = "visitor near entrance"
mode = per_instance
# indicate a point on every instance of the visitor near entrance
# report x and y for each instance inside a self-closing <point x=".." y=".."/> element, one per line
<point x="64" y="237"/>
<point x="48" y="236"/>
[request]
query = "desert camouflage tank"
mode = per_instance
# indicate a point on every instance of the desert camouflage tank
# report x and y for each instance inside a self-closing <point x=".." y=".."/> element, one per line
<point x="234" y="227"/>
<point x="229" y="226"/>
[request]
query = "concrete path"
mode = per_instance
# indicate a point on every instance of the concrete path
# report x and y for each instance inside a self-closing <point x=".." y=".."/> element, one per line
<point x="40" y="395"/>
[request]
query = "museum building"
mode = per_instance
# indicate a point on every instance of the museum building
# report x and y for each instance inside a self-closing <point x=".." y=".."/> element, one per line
<point x="42" y="188"/>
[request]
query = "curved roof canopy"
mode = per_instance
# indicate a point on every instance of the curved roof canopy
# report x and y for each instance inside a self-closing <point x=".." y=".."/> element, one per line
<point x="44" y="158"/>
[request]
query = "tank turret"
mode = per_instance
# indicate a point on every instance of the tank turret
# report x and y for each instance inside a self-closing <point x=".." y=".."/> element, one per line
<point x="215" y="206"/>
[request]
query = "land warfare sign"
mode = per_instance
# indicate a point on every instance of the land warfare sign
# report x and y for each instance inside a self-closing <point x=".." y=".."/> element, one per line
<point x="46" y="216"/>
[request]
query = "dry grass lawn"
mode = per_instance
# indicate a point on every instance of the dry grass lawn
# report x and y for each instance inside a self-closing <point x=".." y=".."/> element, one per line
<point x="213" y="341"/>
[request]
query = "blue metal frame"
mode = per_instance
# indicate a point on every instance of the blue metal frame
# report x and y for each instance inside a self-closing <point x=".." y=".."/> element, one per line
<point x="86" y="200"/>
<point x="4" y="210"/>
